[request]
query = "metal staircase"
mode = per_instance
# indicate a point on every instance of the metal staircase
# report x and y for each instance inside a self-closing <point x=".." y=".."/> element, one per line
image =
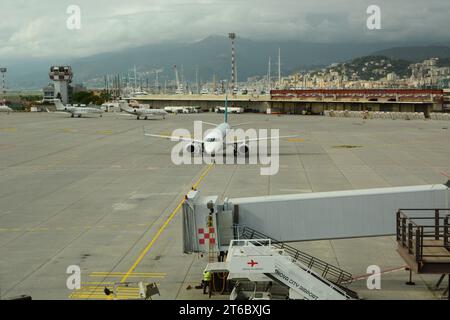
<point x="326" y="270"/>
<point x="258" y="257"/>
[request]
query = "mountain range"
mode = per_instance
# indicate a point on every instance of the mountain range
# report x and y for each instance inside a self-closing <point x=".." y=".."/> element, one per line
<point x="211" y="56"/>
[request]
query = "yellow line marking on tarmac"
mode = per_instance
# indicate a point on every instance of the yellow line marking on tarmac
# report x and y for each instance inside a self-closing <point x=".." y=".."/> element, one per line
<point x="163" y="227"/>
<point x="67" y="130"/>
<point x="104" y="297"/>
<point x="96" y="288"/>
<point x="8" y="129"/>
<point x="104" y="132"/>
<point x="131" y="275"/>
<point x="100" y="295"/>
<point x="134" y="273"/>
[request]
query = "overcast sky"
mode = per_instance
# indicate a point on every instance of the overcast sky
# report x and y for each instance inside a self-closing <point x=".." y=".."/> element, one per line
<point x="37" y="28"/>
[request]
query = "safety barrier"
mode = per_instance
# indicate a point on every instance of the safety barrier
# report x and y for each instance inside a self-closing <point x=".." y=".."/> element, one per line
<point x="375" y="115"/>
<point x="440" y="116"/>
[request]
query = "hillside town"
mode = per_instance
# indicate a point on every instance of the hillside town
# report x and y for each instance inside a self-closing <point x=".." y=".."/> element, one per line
<point x="371" y="73"/>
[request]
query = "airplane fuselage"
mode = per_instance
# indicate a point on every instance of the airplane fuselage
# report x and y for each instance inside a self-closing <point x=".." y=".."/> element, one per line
<point x="145" y="113"/>
<point x="215" y="139"/>
<point x="79" y="111"/>
<point x="76" y="111"/>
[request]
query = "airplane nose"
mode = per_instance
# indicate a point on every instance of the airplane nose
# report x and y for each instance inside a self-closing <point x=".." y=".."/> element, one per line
<point x="209" y="148"/>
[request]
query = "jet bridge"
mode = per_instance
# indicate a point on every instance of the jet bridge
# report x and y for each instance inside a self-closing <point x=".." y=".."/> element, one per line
<point x="212" y="226"/>
<point x="302" y="217"/>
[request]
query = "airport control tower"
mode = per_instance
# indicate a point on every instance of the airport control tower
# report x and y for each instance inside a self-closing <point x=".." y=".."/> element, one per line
<point x="62" y="77"/>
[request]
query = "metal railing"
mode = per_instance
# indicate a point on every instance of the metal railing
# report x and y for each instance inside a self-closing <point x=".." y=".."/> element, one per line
<point x="416" y="233"/>
<point x="326" y="270"/>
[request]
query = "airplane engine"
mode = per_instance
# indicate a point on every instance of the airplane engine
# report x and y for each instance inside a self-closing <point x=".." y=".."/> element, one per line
<point x="243" y="149"/>
<point x="192" y="148"/>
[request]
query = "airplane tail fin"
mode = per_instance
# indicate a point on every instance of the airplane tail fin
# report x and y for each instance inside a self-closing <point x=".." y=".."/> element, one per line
<point x="58" y="104"/>
<point x="124" y="106"/>
<point x="226" y="109"/>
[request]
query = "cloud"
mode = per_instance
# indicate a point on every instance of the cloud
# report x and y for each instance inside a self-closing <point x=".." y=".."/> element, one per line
<point x="31" y="28"/>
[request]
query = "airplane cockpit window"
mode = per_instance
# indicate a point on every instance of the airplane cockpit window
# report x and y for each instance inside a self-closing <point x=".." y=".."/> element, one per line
<point x="211" y="140"/>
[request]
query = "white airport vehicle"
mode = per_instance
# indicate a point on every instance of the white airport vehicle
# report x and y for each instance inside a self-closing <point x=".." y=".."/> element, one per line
<point x="174" y="109"/>
<point x="112" y="106"/>
<point x="181" y="109"/>
<point x="258" y="259"/>
<point x="75" y="111"/>
<point x="215" y="141"/>
<point x="220" y="109"/>
<point x="141" y="112"/>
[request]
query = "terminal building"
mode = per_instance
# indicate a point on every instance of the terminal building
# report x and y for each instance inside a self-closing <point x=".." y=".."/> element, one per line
<point x="317" y="101"/>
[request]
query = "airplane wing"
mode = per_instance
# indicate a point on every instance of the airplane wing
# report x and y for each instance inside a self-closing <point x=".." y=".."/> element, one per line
<point x="173" y="138"/>
<point x="81" y="112"/>
<point x="124" y="114"/>
<point x="241" y="124"/>
<point x="259" y="139"/>
<point x="210" y="123"/>
<point x="60" y="112"/>
<point x="150" y="110"/>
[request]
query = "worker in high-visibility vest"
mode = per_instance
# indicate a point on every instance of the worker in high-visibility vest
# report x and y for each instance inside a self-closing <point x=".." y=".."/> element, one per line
<point x="206" y="280"/>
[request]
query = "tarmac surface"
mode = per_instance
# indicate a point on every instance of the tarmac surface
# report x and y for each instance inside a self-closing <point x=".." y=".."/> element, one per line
<point x="95" y="193"/>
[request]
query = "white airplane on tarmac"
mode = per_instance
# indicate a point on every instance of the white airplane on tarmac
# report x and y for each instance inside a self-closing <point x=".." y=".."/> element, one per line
<point x="141" y="113"/>
<point x="75" y="111"/>
<point x="215" y="142"/>
<point x="5" y="108"/>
